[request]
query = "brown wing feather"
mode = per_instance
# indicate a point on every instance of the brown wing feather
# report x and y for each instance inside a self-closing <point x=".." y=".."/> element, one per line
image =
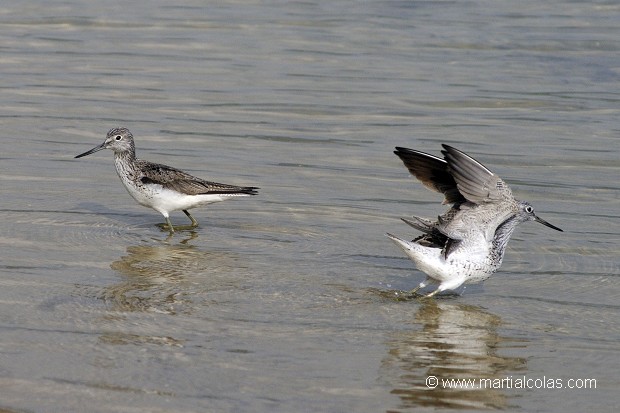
<point x="432" y="171"/>
<point x="177" y="180"/>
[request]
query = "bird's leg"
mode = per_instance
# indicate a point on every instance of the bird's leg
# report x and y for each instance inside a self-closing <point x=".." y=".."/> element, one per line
<point x="168" y="224"/>
<point x="429" y="295"/>
<point x="415" y="290"/>
<point x="194" y="222"/>
<point x="182" y="227"/>
<point x="170" y="227"/>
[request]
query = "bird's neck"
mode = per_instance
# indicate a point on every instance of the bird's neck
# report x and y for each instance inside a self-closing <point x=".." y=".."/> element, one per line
<point x="502" y="236"/>
<point x="125" y="163"/>
<point x="125" y="157"/>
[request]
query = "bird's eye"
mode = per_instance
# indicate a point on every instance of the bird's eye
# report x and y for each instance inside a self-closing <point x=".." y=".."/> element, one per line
<point x="118" y="137"/>
<point x="529" y="209"/>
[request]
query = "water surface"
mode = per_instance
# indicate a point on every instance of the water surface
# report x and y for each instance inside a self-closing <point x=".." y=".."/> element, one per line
<point x="288" y="301"/>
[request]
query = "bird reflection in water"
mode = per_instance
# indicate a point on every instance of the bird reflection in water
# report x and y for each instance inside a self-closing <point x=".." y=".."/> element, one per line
<point x="167" y="278"/>
<point x="456" y="341"/>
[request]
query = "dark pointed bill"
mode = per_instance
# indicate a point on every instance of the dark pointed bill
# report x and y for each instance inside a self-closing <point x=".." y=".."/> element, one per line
<point x="545" y="223"/>
<point x="95" y="149"/>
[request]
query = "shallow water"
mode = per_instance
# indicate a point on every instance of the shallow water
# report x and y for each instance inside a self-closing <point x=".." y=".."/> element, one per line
<point x="289" y="301"/>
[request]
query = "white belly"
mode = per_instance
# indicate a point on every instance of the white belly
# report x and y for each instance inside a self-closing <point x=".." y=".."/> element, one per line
<point x="165" y="200"/>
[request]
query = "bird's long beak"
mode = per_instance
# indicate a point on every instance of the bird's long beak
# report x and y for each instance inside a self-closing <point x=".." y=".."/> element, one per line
<point x="545" y="223"/>
<point x="95" y="149"/>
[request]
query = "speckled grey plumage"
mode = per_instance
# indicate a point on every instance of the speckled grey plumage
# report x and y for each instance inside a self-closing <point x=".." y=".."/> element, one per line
<point x="467" y="243"/>
<point x="162" y="187"/>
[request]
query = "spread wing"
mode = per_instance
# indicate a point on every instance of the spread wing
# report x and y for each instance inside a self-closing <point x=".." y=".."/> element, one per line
<point x="177" y="180"/>
<point x="474" y="180"/>
<point x="433" y="172"/>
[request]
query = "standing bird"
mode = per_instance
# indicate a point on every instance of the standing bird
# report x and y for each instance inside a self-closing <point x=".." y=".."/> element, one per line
<point x="467" y="243"/>
<point x="162" y="187"/>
